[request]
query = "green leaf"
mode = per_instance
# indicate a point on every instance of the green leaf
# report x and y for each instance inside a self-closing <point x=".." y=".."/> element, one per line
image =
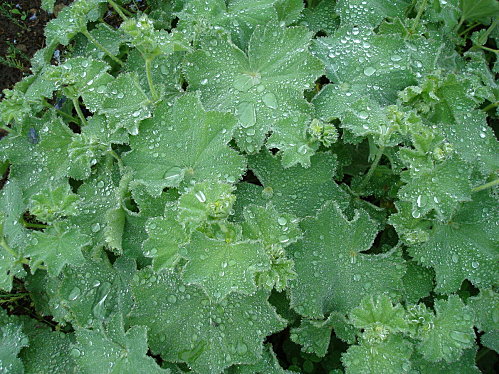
<point x="56" y="246"/>
<point x="361" y="62"/>
<point x="48" y="351"/>
<point x="418" y="282"/>
<point x="13" y="235"/>
<point x="83" y="153"/>
<point x="86" y="300"/>
<point x="378" y="317"/>
<point x="222" y="267"/>
<point x="123" y="102"/>
<point x="297" y="190"/>
<point x="465" y="247"/>
<point x="72" y="20"/>
<point x="112" y="350"/>
<point x="12" y="340"/>
<point x="322" y="17"/>
<point x="486" y="309"/>
<point x="276" y="231"/>
<point x="260" y="88"/>
<point x="54" y="203"/>
<point x="267" y="364"/>
<point x="477" y="9"/>
<point x="464" y="365"/>
<point x="188" y="327"/>
<point x="450" y="332"/>
<point x="388" y="356"/>
<point x="370" y="12"/>
<point x="142" y="35"/>
<point x="290" y="137"/>
<point x="97" y="195"/>
<point x="184" y="153"/>
<point x="165" y="236"/>
<point x="441" y="189"/>
<point x="314" y="336"/>
<point x="333" y="246"/>
<point x="238" y="17"/>
<point x="205" y="202"/>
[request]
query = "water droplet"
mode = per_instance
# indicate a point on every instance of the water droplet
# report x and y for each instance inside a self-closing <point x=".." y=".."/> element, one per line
<point x="174" y="175"/>
<point x="244" y="82"/>
<point x="73" y="295"/>
<point x="95" y="227"/>
<point x="270" y="100"/>
<point x="99" y="309"/>
<point x="482" y="135"/>
<point x="395" y="58"/>
<point x="363" y="115"/>
<point x="475" y="265"/>
<point x="204" y="81"/>
<point x="247" y="114"/>
<point x="75" y="352"/>
<point x="282" y="221"/>
<point x="200" y="196"/>
<point x="369" y="71"/>
<point x="172" y="299"/>
<point x="455" y="258"/>
<point x="242" y="348"/>
<point x="302" y="149"/>
<point x="283" y="239"/>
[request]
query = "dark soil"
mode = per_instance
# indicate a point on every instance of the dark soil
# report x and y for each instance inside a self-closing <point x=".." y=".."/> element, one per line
<point x="21" y="35"/>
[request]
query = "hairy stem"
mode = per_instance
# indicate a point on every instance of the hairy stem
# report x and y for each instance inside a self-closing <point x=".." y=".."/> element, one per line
<point x="76" y="104"/>
<point x="101" y="47"/>
<point x="486" y="185"/>
<point x="154" y="93"/>
<point x="374" y="165"/>
<point x="421" y="10"/>
<point x="64" y="114"/>
<point x="118" y="159"/>
<point x="491" y="106"/>
<point x="30" y="225"/>
<point x="119" y="10"/>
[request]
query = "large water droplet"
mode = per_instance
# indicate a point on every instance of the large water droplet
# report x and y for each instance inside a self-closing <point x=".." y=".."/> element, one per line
<point x="270" y="100"/>
<point x="247" y="114"/>
<point x="73" y="295"/>
<point x="369" y="71"/>
<point x="200" y="196"/>
<point x="244" y="82"/>
<point x="174" y="175"/>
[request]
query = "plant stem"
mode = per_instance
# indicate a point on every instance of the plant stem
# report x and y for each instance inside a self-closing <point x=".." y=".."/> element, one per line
<point x="488" y="49"/>
<point x="461" y="21"/>
<point x="118" y="10"/>
<point x="64" y="114"/>
<point x="76" y="104"/>
<point x="421" y="10"/>
<point x="30" y="225"/>
<point x="5" y="246"/>
<point x="154" y="94"/>
<point x="101" y="47"/>
<point x="115" y="155"/>
<point x="468" y="29"/>
<point x="486" y="185"/>
<point x="491" y="106"/>
<point x="374" y="165"/>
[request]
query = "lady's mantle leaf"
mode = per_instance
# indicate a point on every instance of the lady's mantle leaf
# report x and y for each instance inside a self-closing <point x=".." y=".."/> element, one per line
<point x="260" y="88"/>
<point x="111" y="350"/>
<point x="221" y="267"/>
<point x="450" y="332"/>
<point x="170" y="150"/>
<point x="186" y="326"/>
<point x="333" y="274"/>
<point x="388" y="356"/>
<point x="298" y="190"/>
<point x="57" y="246"/>
<point x="465" y="247"/>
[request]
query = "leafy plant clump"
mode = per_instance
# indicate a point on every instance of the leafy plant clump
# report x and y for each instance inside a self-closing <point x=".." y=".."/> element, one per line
<point x="253" y="186"/>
